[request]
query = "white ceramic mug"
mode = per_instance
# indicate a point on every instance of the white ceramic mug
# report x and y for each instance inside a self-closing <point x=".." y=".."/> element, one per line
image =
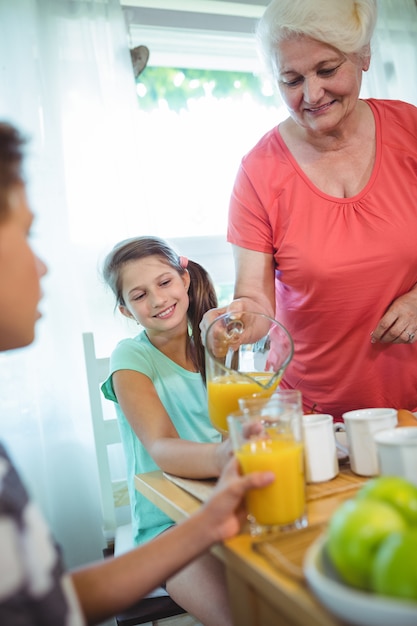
<point x="360" y="427"/>
<point x="319" y="448"/>
<point x="397" y="452"/>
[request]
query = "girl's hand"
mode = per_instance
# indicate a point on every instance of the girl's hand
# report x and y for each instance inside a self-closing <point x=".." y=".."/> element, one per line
<point x="225" y="508"/>
<point x="223" y="454"/>
<point x="399" y="323"/>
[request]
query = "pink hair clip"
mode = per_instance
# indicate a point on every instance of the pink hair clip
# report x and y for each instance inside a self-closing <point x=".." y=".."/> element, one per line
<point x="183" y="261"/>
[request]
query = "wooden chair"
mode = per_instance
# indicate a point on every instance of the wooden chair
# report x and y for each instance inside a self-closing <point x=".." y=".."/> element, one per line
<point x="115" y="506"/>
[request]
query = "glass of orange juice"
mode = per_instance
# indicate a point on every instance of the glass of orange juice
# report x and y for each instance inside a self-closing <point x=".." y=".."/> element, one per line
<point x="246" y="353"/>
<point x="268" y="436"/>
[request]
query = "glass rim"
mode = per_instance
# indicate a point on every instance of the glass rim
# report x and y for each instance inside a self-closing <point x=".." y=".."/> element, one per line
<point x="276" y="397"/>
<point x="232" y="316"/>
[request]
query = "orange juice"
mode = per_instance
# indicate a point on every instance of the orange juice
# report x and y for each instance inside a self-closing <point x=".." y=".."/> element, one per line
<point x="282" y="502"/>
<point x="223" y="393"/>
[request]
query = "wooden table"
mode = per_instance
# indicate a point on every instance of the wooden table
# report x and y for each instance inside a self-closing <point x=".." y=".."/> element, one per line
<point x="260" y="593"/>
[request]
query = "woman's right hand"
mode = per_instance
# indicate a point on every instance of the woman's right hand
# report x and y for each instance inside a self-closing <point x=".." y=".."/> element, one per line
<point x="236" y="306"/>
<point x="208" y="318"/>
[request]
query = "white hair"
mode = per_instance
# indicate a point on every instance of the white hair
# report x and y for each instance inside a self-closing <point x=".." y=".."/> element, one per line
<point x="347" y="25"/>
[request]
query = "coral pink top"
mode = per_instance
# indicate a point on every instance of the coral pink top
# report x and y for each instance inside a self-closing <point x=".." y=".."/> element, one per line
<point x="340" y="262"/>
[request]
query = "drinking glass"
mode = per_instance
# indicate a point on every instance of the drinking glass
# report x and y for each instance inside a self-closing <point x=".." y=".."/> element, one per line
<point x="268" y="436"/>
<point x="246" y="353"/>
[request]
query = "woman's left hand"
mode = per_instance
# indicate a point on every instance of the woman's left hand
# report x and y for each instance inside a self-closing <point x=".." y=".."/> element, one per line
<point x="399" y="323"/>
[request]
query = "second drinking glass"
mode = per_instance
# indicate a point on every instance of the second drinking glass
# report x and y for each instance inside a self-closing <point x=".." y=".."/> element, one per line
<point x="267" y="436"/>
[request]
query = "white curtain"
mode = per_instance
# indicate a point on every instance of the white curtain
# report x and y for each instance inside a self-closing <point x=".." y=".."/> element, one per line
<point x="66" y="80"/>
<point x="393" y="69"/>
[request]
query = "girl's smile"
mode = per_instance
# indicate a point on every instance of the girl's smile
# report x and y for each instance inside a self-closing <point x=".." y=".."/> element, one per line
<point x="166" y="313"/>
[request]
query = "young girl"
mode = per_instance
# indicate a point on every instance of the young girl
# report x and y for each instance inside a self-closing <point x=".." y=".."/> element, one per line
<point x="157" y="382"/>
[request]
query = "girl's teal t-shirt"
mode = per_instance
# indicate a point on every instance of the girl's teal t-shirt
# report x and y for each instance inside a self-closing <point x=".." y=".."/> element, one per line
<point x="184" y="397"/>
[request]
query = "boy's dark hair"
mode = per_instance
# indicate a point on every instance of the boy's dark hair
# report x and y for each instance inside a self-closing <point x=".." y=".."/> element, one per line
<point x="11" y="157"/>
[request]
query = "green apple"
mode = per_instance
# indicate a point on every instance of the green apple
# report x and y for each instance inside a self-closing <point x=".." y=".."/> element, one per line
<point x="393" y="490"/>
<point x="355" y="532"/>
<point x="394" y="571"/>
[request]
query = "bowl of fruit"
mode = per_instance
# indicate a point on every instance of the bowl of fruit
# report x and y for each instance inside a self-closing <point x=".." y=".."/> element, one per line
<point x="364" y="568"/>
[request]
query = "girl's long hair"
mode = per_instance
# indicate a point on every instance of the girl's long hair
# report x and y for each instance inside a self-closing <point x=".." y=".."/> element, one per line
<point x="201" y="293"/>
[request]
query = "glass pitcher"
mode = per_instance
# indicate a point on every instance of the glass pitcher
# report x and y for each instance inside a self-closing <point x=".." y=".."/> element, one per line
<point x="246" y="353"/>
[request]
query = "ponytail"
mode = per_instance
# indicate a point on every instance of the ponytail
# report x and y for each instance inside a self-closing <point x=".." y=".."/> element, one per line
<point x="202" y="298"/>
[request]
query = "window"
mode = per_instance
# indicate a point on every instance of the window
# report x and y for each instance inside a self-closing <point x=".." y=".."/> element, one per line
<point x="195" y="125"/>
<point x="202" y="104"/>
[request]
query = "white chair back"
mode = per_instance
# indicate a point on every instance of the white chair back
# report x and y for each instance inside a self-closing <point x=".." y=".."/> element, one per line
<point x="113" y="491"/>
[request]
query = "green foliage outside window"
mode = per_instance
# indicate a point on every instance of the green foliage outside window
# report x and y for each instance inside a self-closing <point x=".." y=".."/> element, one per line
<point x="176" y="86"/>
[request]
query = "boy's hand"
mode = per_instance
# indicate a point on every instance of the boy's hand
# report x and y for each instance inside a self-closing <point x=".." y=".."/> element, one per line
<point x="226" y="507"/>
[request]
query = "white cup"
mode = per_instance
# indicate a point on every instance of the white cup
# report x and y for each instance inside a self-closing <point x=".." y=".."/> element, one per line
<point x="397" y="452"/>
<point x="360" y="427"/>
<point x="319" y="448"/>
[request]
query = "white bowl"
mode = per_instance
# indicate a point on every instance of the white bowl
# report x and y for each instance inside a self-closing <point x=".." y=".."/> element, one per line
<point x="352" y="605"/>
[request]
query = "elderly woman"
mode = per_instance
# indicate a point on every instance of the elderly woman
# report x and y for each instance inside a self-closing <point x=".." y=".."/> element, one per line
<point x="323" y="215"/>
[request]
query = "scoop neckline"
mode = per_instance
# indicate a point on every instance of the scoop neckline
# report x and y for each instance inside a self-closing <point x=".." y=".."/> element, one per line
<point x="317" y="190"/>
